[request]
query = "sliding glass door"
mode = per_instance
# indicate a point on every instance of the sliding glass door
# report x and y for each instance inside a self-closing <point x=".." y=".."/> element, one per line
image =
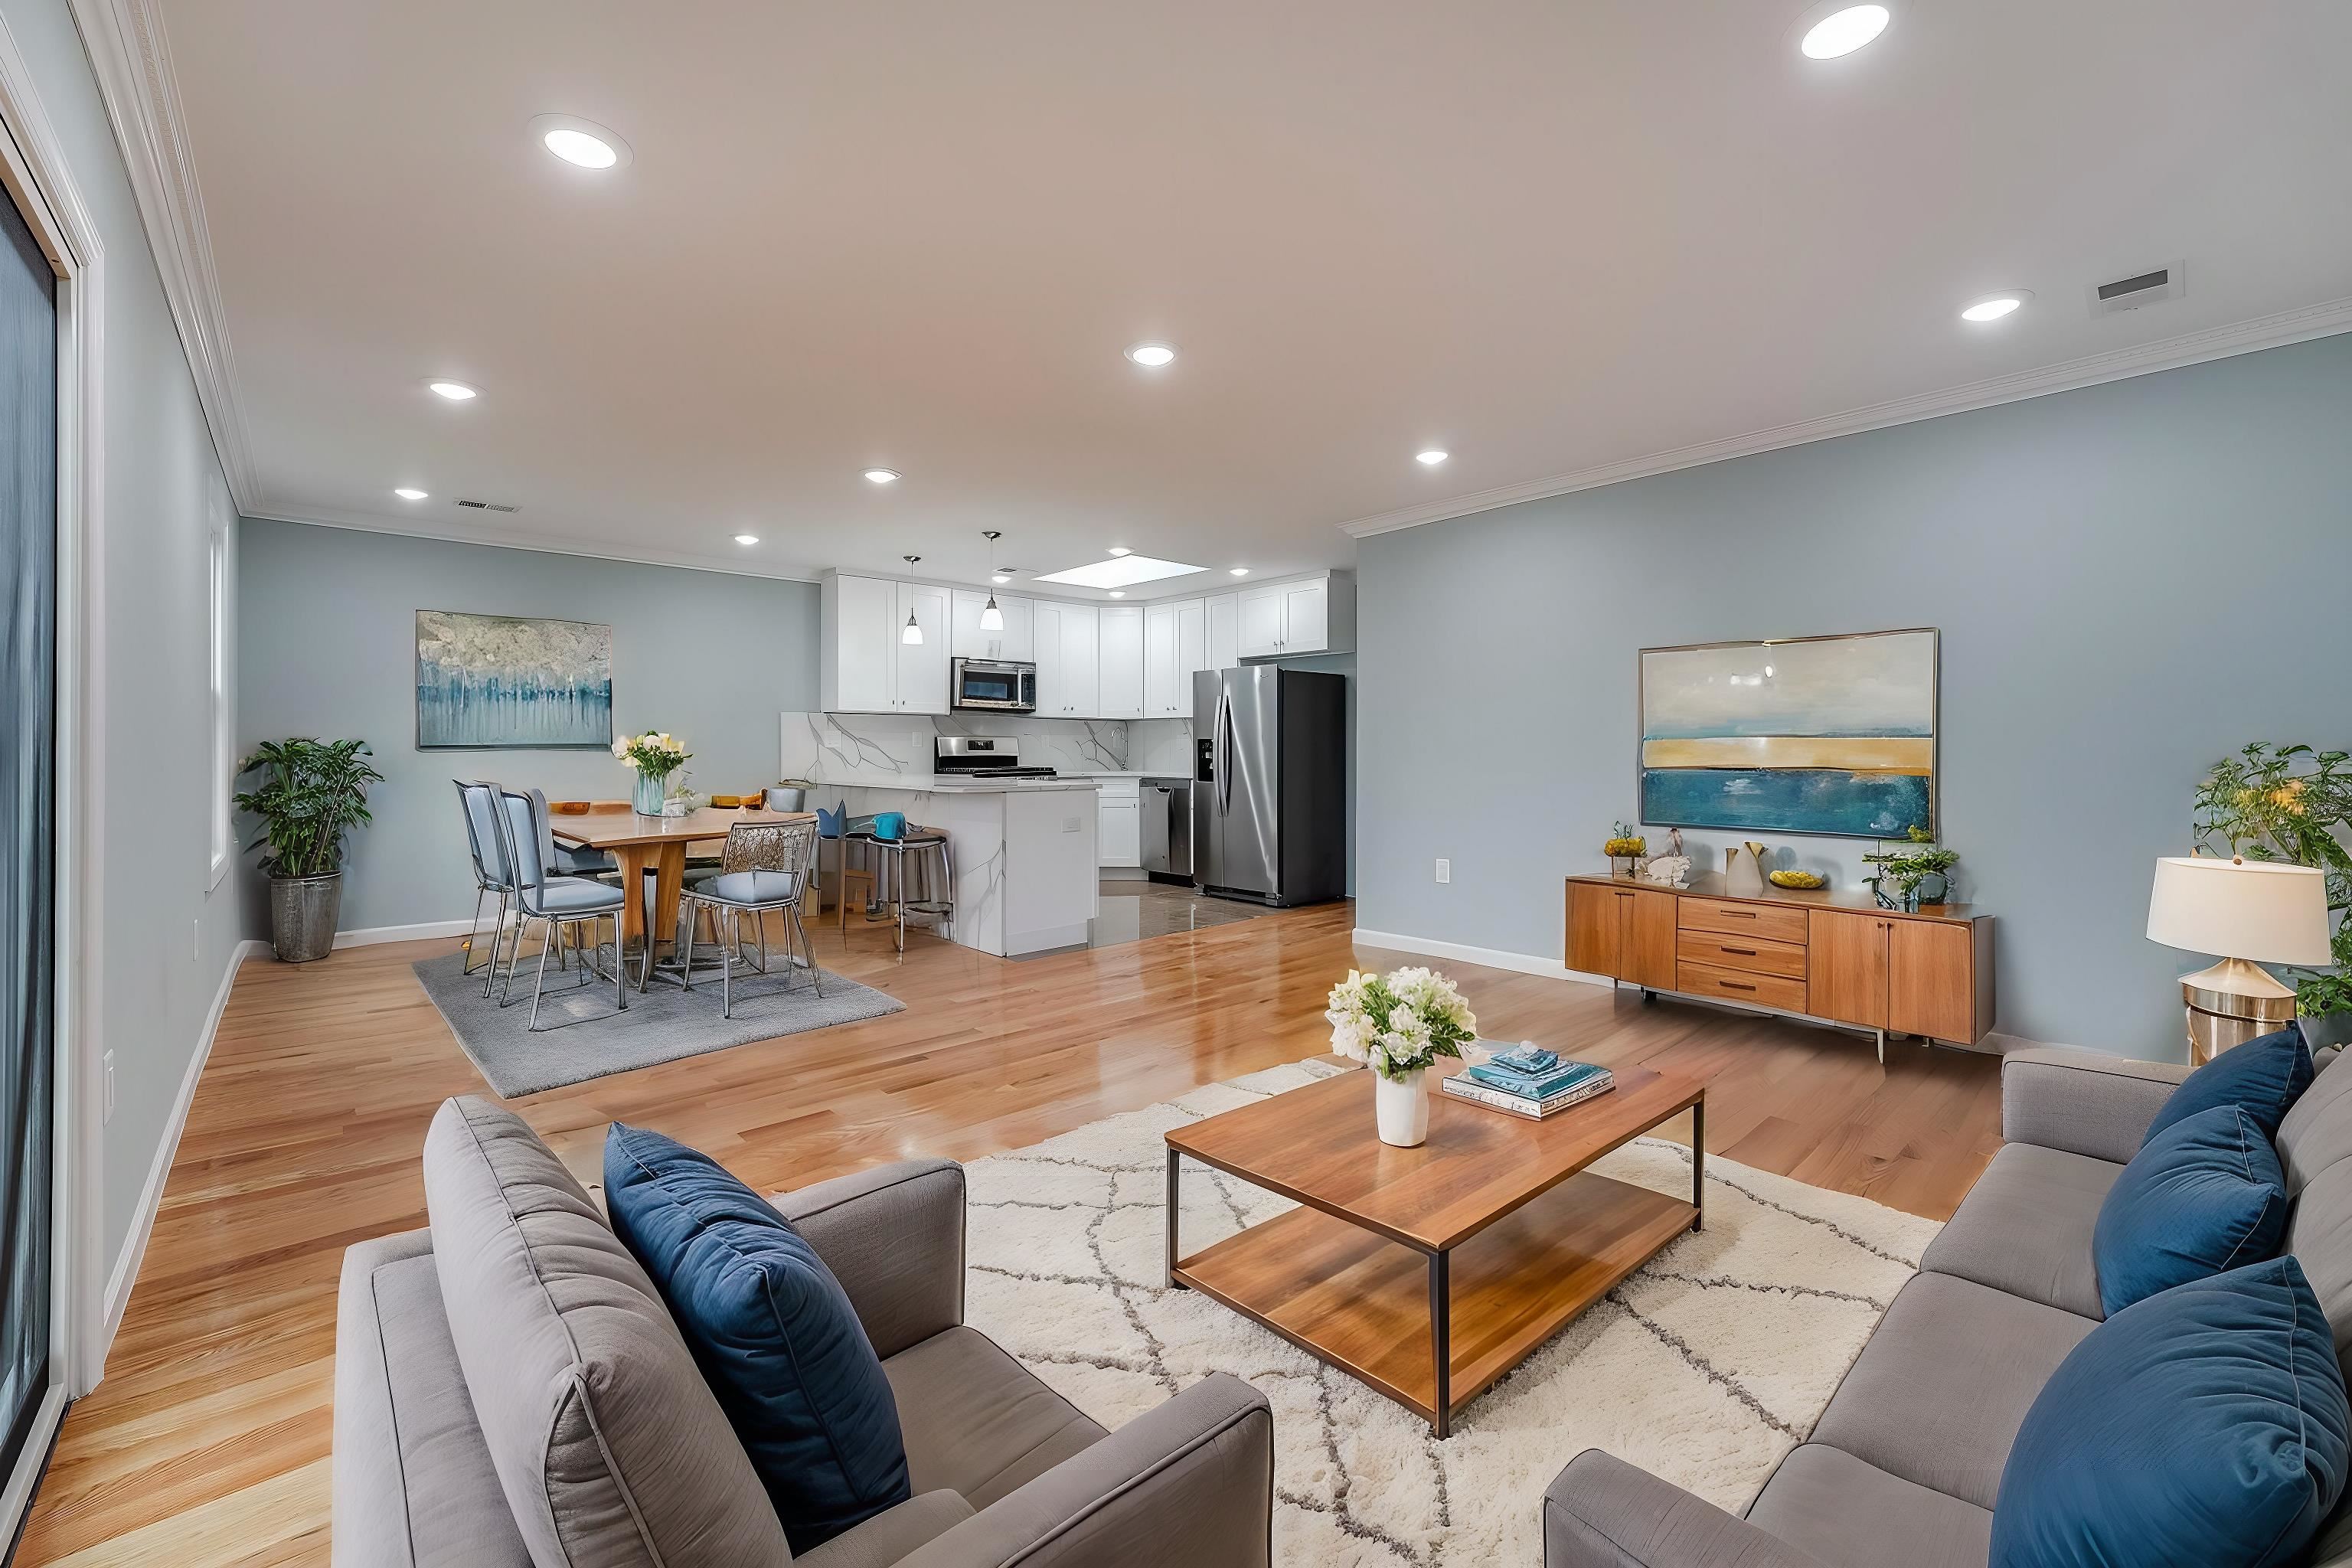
<point x="29" y="532"/>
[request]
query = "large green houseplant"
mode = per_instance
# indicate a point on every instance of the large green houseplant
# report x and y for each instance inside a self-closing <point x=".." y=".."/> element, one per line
<point x="312" y="794"/>
<point x="2293" y="803"/>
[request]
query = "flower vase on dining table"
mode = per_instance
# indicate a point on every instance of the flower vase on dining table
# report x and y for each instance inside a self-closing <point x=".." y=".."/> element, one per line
<point x="648" y="793"/>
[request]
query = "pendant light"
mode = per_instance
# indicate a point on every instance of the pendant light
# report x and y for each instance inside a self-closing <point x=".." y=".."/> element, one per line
<point x="991" y="619"/>
<point x="911" y="634"/>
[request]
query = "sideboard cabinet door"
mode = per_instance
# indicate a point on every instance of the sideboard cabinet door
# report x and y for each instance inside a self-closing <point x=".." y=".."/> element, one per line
<point x="1645" y="940"/>
<point x="1592" y="928"/>
<point x="1931" y="980"/>
<point x="1848" y="967"/>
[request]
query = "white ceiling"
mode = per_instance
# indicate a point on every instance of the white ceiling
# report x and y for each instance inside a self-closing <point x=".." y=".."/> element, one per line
<point x="1551" y="235"/>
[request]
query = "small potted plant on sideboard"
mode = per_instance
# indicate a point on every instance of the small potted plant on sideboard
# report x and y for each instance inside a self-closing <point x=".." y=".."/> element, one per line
<point x="312" y="794"/>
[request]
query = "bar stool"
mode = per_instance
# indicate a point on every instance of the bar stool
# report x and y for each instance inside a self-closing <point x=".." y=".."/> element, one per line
<point x="886" y="878"/>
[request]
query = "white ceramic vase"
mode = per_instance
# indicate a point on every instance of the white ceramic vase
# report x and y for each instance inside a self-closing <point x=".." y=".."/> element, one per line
<point x="1401" y="1105"/>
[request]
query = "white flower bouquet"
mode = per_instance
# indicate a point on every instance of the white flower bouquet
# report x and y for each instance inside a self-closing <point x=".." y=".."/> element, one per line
<point x="1400" y="1023"/>
<point x="656" y="754"/>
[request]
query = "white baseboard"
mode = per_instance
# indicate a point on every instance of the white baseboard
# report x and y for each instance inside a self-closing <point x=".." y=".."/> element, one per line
<point x="151" y="1196"/>
<point x="368" y="936"/>
<point x="1492" y="957"/>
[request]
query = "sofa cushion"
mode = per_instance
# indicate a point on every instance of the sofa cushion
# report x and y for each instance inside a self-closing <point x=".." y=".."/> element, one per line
<point x="774" y="1335"/>
<point x="1937" y="1395"/>
<point x="2319" y="1236"/>
<point x="1844" y="1513"/>
<point x="2317" y="1129"/>
<point x="2025" y="1228"/>
<point x="2265" y="1076"/>
<point x="2207" y="1424"/>
<point x="607" y="1444"/>
<point x="2201" y="1197"/>
<point x="978" y="1422"/>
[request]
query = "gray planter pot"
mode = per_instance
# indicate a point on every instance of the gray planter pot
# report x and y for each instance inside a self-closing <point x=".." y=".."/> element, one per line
<point x="302" y="915"/>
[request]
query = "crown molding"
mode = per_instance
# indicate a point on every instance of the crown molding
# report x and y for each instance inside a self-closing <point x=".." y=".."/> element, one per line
<point x="2216" y="342"/>
<point x="498" y="538"/>
<point x="133" y="62"/>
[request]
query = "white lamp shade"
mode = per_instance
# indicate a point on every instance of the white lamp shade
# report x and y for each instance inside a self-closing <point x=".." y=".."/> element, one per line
<point x="2255" y="909"/>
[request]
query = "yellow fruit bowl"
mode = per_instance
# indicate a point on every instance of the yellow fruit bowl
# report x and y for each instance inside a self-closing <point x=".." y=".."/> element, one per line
<point x="1625" y="849"/>
<point x="1803" y="881"/>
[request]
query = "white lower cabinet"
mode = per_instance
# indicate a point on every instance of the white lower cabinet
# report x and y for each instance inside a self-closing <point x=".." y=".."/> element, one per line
<point x="1119" y="806"/>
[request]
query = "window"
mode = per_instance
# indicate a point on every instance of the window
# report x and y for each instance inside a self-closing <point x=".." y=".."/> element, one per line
<point x="224" y="752"/>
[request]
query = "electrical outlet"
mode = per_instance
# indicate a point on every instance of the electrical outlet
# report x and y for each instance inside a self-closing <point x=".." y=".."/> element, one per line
<point x="109" y="1061"/>
<point x="1444" y="870"/>
<point x="1070" y="824"/>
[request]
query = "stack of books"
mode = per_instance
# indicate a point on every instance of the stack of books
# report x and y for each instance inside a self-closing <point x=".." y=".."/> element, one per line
<point x="1529" y="1081"/>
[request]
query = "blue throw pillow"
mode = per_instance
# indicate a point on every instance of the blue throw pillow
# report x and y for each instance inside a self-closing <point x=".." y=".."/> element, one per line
<point x="2204" y="1196"/>
<point x="772" y="1330"/>
<point x="2264" y="1075"/>
<point x="2206" y="1426"/>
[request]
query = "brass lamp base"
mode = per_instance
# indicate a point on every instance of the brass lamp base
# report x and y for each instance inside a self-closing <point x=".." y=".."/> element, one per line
<point x="2230" y="1004"/>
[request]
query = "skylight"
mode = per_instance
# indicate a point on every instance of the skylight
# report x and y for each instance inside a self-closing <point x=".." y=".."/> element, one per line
<point x="1120" y="572"/>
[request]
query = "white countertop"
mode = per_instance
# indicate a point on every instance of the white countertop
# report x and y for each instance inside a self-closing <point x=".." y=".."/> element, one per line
<point x="949" y="783"/>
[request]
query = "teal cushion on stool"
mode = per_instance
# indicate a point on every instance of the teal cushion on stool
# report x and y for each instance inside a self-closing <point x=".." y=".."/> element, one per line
<point x="2202" y="1196"/>
<point x="2265" y="1076"/>
<point x="2203" y="1427"/>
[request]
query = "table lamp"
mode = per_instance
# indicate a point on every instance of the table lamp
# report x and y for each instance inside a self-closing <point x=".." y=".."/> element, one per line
<point x="2252" y="912"/>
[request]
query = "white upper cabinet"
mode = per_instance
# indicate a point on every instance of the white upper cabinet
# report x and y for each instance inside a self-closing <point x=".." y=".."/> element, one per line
<point x="923" y="665"/>
<point x="1014" y="641"/>
<point x="1067" y="660"/>
<point x="1224" y="631"/>
<point x="1175" y="647"/>
<point x="1310" y="614"/>
<point x="865" y="664"/>
<point x="1120" y="679"/>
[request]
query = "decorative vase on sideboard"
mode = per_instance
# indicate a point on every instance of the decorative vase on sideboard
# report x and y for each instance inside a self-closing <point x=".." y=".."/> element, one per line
<point x="647" y="795"/>
<point x="1402" y="1106"/>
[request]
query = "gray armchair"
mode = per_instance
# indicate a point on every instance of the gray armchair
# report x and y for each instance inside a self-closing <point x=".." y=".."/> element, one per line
<point x="1004" y="1471"/>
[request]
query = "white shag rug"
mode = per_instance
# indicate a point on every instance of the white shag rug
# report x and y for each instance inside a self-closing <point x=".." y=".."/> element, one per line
<point x="1704" y="1367"/>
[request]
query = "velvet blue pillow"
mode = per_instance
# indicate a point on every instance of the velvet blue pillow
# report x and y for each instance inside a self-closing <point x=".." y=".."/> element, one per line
<point x="772" y="1330"/>
<point x="2206" y="1426"/>
<point x="2202" y="1196"/>
<point x="2265" y="1076"/>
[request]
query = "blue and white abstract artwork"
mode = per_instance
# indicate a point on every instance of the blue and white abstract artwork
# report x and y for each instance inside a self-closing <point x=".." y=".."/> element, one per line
<point x="488" y="682"/>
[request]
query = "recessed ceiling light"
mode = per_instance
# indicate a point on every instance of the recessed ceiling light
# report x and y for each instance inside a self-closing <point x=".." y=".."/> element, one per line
<point x="1120" y="572"/>
<point x="1843" y="31"/>
<point x="1120" y="550"/>
<point x="882" y="476"/>
<point x="581" y="143"/>
<point x="404" y="493"/>
<point x="746" y="539"/>
<point x="455" y="391"/>
<point x="1993" y="307"/>
<point x="999" y="577"/>
<point x="1151" y="356"/>
<point x="1238" y="570"/>
<point x="1432" y="457"/>
<point x="1119" y="593"/>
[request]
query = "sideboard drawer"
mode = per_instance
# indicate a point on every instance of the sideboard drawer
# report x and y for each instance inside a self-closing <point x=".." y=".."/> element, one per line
<point x="1740" y="985"/>
<point x="1750" y="955"/>
<point x="1773" y="922"/>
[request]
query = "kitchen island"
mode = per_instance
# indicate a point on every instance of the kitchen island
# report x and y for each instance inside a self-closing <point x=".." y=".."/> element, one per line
<point x="1023" y="849"/>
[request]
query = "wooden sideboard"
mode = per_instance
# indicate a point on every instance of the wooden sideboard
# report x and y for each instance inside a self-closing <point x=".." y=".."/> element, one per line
<point x="1825" y="954"/>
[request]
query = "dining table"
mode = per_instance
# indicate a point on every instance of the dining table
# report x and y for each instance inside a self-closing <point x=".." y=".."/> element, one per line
<point x="656" y="844"/>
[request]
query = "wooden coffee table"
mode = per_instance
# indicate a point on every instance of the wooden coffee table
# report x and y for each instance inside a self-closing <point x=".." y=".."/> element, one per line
<point x="1515" y="1237"/>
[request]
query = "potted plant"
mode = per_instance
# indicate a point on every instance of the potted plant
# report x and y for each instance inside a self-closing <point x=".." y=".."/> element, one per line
<point x="2293" y="803"/>
<point x="655" y="755"/>
<point x="312" y="794"/>
<point x="1920" y="873"/>
<point x="1399" y="1024"/>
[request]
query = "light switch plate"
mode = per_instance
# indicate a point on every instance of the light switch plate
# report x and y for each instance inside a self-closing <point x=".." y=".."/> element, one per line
<point x="1444" y="870"/>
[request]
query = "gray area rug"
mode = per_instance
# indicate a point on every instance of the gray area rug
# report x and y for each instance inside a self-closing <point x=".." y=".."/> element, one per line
<point x="581" y="1037"/>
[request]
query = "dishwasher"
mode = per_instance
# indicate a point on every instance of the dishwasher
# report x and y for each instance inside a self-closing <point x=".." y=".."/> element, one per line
<point x="1167" y="829"/>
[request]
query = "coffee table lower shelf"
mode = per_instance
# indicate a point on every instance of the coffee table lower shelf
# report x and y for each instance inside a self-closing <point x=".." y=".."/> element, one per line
<point x="1369" y="1306"/>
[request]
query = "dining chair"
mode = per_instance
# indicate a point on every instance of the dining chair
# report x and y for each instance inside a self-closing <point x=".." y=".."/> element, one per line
<point x="487" y="845"/>
<point x="763" y="870"/>
<point x="540" y="895"/>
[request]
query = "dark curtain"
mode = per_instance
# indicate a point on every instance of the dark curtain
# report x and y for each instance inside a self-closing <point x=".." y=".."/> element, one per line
<point x="29" y="532"/>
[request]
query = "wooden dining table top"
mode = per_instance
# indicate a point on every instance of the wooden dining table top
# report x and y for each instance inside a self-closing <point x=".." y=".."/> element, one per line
<point x="618" y="828"/>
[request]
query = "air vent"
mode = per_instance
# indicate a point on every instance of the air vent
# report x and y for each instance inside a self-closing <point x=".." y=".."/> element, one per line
<point x="2151" y="288"/>
<point x="486" y="506"/>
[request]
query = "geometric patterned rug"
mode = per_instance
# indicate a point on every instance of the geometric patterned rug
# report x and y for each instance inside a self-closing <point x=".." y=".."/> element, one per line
<point x="1705" y="1366"/>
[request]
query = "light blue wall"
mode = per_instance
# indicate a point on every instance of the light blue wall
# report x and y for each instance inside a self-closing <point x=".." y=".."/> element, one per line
<point x="327" y="647"/>
<point x="168" y="935"/>
<point x="2131" y="581"/>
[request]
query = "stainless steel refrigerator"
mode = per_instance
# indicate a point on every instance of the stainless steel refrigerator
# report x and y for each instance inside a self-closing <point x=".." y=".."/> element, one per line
<point x="1270" y="784"/>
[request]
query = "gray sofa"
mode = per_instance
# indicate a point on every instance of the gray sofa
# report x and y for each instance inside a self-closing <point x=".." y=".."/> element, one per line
<point x="509" y="1390"/>
<point x="1903" y="1467"/>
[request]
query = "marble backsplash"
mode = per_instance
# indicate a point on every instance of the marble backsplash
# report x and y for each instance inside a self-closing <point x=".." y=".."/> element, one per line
<point x="844" y="748"/>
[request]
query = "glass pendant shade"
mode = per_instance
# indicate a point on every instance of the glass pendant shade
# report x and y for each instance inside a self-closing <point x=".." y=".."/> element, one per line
<point x="991" y="619"/>
<point x="913" y="634"/>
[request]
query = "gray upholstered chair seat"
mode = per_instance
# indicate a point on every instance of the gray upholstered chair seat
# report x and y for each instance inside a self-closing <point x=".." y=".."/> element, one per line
<point x="1848" y="1513"/>
<point x="576" y="895"/>
<point x="578" y="860"/>
<point x="976" y="1421"/>
<point x="754" y="887"/>
<point x="2025" y="1228"/>
<point x="1938" y="1394"/>
<point x="891" y="1534"/>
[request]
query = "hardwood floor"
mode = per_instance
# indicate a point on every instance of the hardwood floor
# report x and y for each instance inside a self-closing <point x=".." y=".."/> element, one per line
<point x="209" y="1440"/>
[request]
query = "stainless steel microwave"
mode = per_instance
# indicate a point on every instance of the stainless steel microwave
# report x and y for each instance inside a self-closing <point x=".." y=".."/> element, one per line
<point x="994" y="685"/>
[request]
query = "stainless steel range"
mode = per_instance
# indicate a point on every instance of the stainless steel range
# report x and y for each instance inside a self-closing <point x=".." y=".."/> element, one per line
<point x="982" y="756"/>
